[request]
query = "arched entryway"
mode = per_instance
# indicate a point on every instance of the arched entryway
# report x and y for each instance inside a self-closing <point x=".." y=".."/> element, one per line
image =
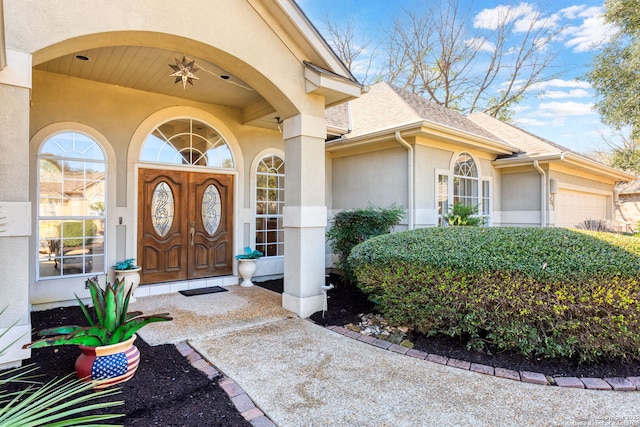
<point x="269" y="85"/>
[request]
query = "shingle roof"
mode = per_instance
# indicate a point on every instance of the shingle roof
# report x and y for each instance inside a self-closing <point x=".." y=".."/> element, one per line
<point x="632" y="187"/>
<point x="338" y="116"/>
<point x="527" y="142"/>
<point x="388" y="107"/>
<point x="434" y="112"/>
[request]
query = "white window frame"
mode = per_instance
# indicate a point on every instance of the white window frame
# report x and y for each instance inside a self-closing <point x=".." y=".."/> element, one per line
<point x="480" y="180"/>
<point x="264" y="244"/>
<point x="61" y="258"/>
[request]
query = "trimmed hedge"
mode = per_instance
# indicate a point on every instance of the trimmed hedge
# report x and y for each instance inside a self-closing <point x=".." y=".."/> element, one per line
<point x="543" y="292"/>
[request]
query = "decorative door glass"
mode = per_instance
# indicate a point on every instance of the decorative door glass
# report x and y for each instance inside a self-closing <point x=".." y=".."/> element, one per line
<point x="162" y="209"/>
<point x="211" y="209"/>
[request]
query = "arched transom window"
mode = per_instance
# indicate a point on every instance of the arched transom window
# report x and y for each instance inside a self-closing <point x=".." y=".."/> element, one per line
<point x="71" y="206"/>
<point x="269" y="205"/>
<point x="187" y="142"/>
<point x="465" y="181"/>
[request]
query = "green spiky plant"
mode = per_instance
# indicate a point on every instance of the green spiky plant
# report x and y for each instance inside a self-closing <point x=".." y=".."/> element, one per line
<point x="109" y="324"/>
<point x="62" y="402"/>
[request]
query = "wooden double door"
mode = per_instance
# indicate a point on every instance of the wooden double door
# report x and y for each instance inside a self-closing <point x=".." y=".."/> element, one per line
<point x="185" y="225"/>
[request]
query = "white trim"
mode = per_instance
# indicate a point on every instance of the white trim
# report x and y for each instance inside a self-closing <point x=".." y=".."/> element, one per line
<point x="305" y="216"/>
<point x="21" y="333"/>
<point x="18" y="71"/>
<point x="304" y="125"/>
<point x="303" y="306"/>
<point x="582" y="189"/>
<point x="530" y="218"/>
<point x="426" y="217"/>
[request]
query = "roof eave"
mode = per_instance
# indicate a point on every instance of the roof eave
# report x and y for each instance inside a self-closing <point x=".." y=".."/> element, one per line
<point x="427" y="129"/>
<point x="335" y="88"/>
<point x="314" y="38"/>
<point x="570" y="158"/>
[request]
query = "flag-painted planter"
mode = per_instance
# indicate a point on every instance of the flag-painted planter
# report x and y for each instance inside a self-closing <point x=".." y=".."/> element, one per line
<point x="109" y="364"/>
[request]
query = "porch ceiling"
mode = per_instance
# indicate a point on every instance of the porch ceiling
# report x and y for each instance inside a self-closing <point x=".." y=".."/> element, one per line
<point x="147" y="69"/>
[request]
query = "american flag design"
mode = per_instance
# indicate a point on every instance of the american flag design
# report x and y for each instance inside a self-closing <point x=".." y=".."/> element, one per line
<point x="115" y="368"/>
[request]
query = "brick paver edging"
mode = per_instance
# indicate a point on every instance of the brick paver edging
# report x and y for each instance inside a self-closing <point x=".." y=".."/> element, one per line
<point x="617" y="384"/>
<point x="240" y="399"/>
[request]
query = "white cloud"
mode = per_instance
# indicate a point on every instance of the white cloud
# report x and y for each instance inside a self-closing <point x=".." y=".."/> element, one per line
<point x="558" y="94"/>
<point x="591" y="34"/>
<point x="527" y="122"/>
<point x="564" y="109"/>
<point x="560" y="83"/>
<point x="572" y="12"/>
<point x="483" y="45"/>
<point x="522" y="16"/>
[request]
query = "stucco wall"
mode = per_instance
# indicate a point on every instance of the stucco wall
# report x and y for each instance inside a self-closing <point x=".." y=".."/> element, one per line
<point x="520" y="199"/>
<point x="377" y="178"/>
<point x="14" y="185"/>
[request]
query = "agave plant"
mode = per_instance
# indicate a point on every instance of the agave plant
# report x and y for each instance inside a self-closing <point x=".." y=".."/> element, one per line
<point x="109" y="324"/>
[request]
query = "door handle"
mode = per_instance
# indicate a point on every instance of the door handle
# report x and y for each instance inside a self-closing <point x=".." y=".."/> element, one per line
<point x="192" y="231"/>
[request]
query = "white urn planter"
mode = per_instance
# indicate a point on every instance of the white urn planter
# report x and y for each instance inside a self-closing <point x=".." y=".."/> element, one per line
<point x="246" y="269"/>
<point x="131" y="280"/>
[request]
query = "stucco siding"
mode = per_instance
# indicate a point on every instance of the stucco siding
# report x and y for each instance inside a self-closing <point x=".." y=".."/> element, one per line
<point x="520" y="192"/>
<point x="378" y="178"/>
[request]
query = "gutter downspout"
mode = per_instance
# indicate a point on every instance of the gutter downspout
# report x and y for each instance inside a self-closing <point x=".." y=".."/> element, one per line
<point x="410" y="179"/>
<point x="3" y="47"/>
<point x="543" y="194"/>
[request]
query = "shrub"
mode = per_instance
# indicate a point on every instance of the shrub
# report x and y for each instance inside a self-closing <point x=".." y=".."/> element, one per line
<point x="542" y="292"/>
<point x="354" y="226"/>
<point x="461" y="214"/>
<point x="597" y="225"/>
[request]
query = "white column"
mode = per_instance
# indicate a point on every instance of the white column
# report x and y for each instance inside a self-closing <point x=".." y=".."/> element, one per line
<point x="305" y="213"/>
<point x="15" y="209"/>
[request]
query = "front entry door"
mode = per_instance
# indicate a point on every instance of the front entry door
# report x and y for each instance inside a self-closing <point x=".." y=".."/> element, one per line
<point x="185" y="223"/>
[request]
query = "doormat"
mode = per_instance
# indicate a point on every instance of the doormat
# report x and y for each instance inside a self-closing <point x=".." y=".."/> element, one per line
<point x="202" y="291"/>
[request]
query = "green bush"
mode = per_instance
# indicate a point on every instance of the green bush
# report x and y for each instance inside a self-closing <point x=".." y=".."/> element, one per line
<point x="75" y="231"/>
<point x="461" y="214"/>
<point x="542" y="292"/>
<point x="354" y="226"/>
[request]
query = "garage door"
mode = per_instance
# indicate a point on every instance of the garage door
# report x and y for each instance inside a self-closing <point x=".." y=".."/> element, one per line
<point x="573" y="207"/>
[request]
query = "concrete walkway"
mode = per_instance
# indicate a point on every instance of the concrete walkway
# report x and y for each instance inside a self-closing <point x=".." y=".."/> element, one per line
<point x="301" y="374"/>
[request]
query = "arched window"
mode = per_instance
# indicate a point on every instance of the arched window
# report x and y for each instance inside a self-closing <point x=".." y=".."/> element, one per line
<point x="269" y="205"/>
<point x="187" y="142"/>
<point x="71" y="206"/>
<point x="465" y="181"/>
<point x="463" y="185"/>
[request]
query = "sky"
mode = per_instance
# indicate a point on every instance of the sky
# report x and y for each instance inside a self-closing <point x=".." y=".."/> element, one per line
<point x="559" y="110"/>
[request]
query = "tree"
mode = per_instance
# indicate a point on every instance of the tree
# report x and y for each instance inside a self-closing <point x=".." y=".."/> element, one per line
<point x="436" y="53"/>
<point x="351" y="51"/>
<point x="485" y="68"/>
<point x="623" y="154"/>
<point x="616" y="70"/>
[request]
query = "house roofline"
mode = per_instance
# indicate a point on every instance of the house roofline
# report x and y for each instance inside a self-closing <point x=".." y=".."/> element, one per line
<point x="314" y="37"/>
<point x="424" y="128"/>
<point x="570" y="158"/>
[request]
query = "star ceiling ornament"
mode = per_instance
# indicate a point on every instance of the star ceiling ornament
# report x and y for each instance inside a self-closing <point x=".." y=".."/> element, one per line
<point x="184" y="71"/>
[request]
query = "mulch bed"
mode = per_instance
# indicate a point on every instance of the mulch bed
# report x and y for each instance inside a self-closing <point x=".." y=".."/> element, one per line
<point x="346" y="303"/>
<point x="165" y="391"/>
